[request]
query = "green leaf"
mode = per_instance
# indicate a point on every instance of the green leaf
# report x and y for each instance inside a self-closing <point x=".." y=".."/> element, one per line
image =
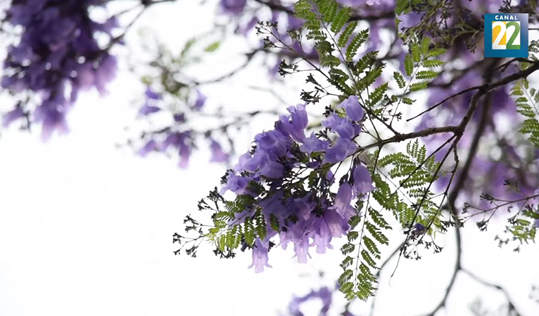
<point x="408" y="65"/>
<point x="356" y="43"/>
<point x="403" y="7"/>
<point x="426" y="74"/>
<point x="274" y="223"/>
<point x="354" y="221"/>
<point x="345" y="276"/>
<point x="260" y="225"/>
<point x="347" y="261"/>
<point x="436" y="52"/>
<point x="408" y="101"/>
<point x="249" y="231"/>
<point x="377" y="95"/>
<point x="352" y="236"/>
<point x="221" y="242"/>
<point x="346" y="33"/>
<point x="368" y="259"/>
<point x="347" y="248"/>
<point x="365" y="62"/>
<point x="399" y="79"/>
<point x="416" y="53"/>
<point x="432" y="63"/>
<point x="329" y="10"/>
<point x="418" y="86"/>
<point x="425" y="43"/>
<point x="340" y="19"/>
<point x="212" y="47"/>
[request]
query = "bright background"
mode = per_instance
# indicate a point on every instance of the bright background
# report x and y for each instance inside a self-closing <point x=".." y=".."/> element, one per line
<point x="86" y="227"/>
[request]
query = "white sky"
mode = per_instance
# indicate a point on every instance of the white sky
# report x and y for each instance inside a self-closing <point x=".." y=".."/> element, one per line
<point x="86" y="228"/>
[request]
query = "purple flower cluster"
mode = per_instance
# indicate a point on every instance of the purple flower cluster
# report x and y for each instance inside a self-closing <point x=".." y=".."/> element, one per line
<point x="324" y="294"/>
<point x="179" y="141"/>
<point x="57" y="56"/>
<point x="233" y="7"/>
<point x="307" y="218"/>
<point x="176" y="137"/>
<point x="486" y="174"/>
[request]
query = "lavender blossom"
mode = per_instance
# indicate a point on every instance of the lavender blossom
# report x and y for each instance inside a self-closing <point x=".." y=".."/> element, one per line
<point x="354" y="111"/>
<point x="362" y="180"/>
<point x="150" y="146"/>
<point x="342" y="126"/>
<point x="324" y="294"/>
<point x="200" y="101"/>
<point x="56" y="57"/>
<point x="342" y="149"/>
<point x="233" y="7"/>
<point x="307" y="219"/>
<point x="13" y="115"/>
<point x="260" y="256"/>
<point x="313" y="143"/>
<point x="218" y="155"/>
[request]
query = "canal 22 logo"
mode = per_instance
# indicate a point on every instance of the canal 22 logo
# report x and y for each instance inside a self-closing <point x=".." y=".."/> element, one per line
<point x="506" y="35"/>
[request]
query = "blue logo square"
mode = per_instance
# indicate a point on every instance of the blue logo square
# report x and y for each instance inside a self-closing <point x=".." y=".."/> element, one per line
<point x="506" y="35"/>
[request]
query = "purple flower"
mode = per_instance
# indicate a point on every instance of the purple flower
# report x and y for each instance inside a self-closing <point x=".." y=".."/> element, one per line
<point x="57" y="56"/>
<point x="313" y="144"/>
<point x="342" y="126"/>
<point x="11" y="116"/>
<point x="272" y="204"/>
<point x="179" y="117"/>
<point x="343" y="200"/>
<point x="301" y="248"/>
<point x="236" y="184"/>
<point x="353" y="108"/>
<point x="274" y="143"/>
<point x="233" y="7"/>
<point x="329" y="225"/>
<point x="217" y="153"/>
<point x="246" y="27"/>
<point x="306" y="219"/>
<point x="299" y="122"/>
<point x="51" y="114"/>
<point x="260" y="255"/>
<point x="152" y="95"/>
<point x="255" y="162"/>
<point x="294" y="23"/>
<point x="362" y="180"/>
<point x="180" y="141"/>
<point x="303" y="207"/>
<point x="172" y="139"/>
<point x="148" y="109"/>
<point x="185" y="154"/>
<point x="150" y="146"/>
<point x="342" y="149"/>
<point x="272" y="169"/>
<point x="418" y="228"/>
<point x="324" y="294"/>
<point x="200" y="101"/>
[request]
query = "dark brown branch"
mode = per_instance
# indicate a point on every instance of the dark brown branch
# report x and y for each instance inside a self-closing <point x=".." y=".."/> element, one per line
<point x="443" y="101"/>
<point x="400" y="137"/>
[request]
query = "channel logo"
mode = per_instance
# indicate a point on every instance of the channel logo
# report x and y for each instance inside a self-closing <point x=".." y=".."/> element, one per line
<point x="506" y="35"/>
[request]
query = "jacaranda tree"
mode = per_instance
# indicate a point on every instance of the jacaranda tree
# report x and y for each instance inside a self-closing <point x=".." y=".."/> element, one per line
<point x="402" y="124"/>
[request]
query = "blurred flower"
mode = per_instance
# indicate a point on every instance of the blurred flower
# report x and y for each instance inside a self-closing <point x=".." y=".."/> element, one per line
<point x="218" y="155"/>
<point x="56" y="57"/>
